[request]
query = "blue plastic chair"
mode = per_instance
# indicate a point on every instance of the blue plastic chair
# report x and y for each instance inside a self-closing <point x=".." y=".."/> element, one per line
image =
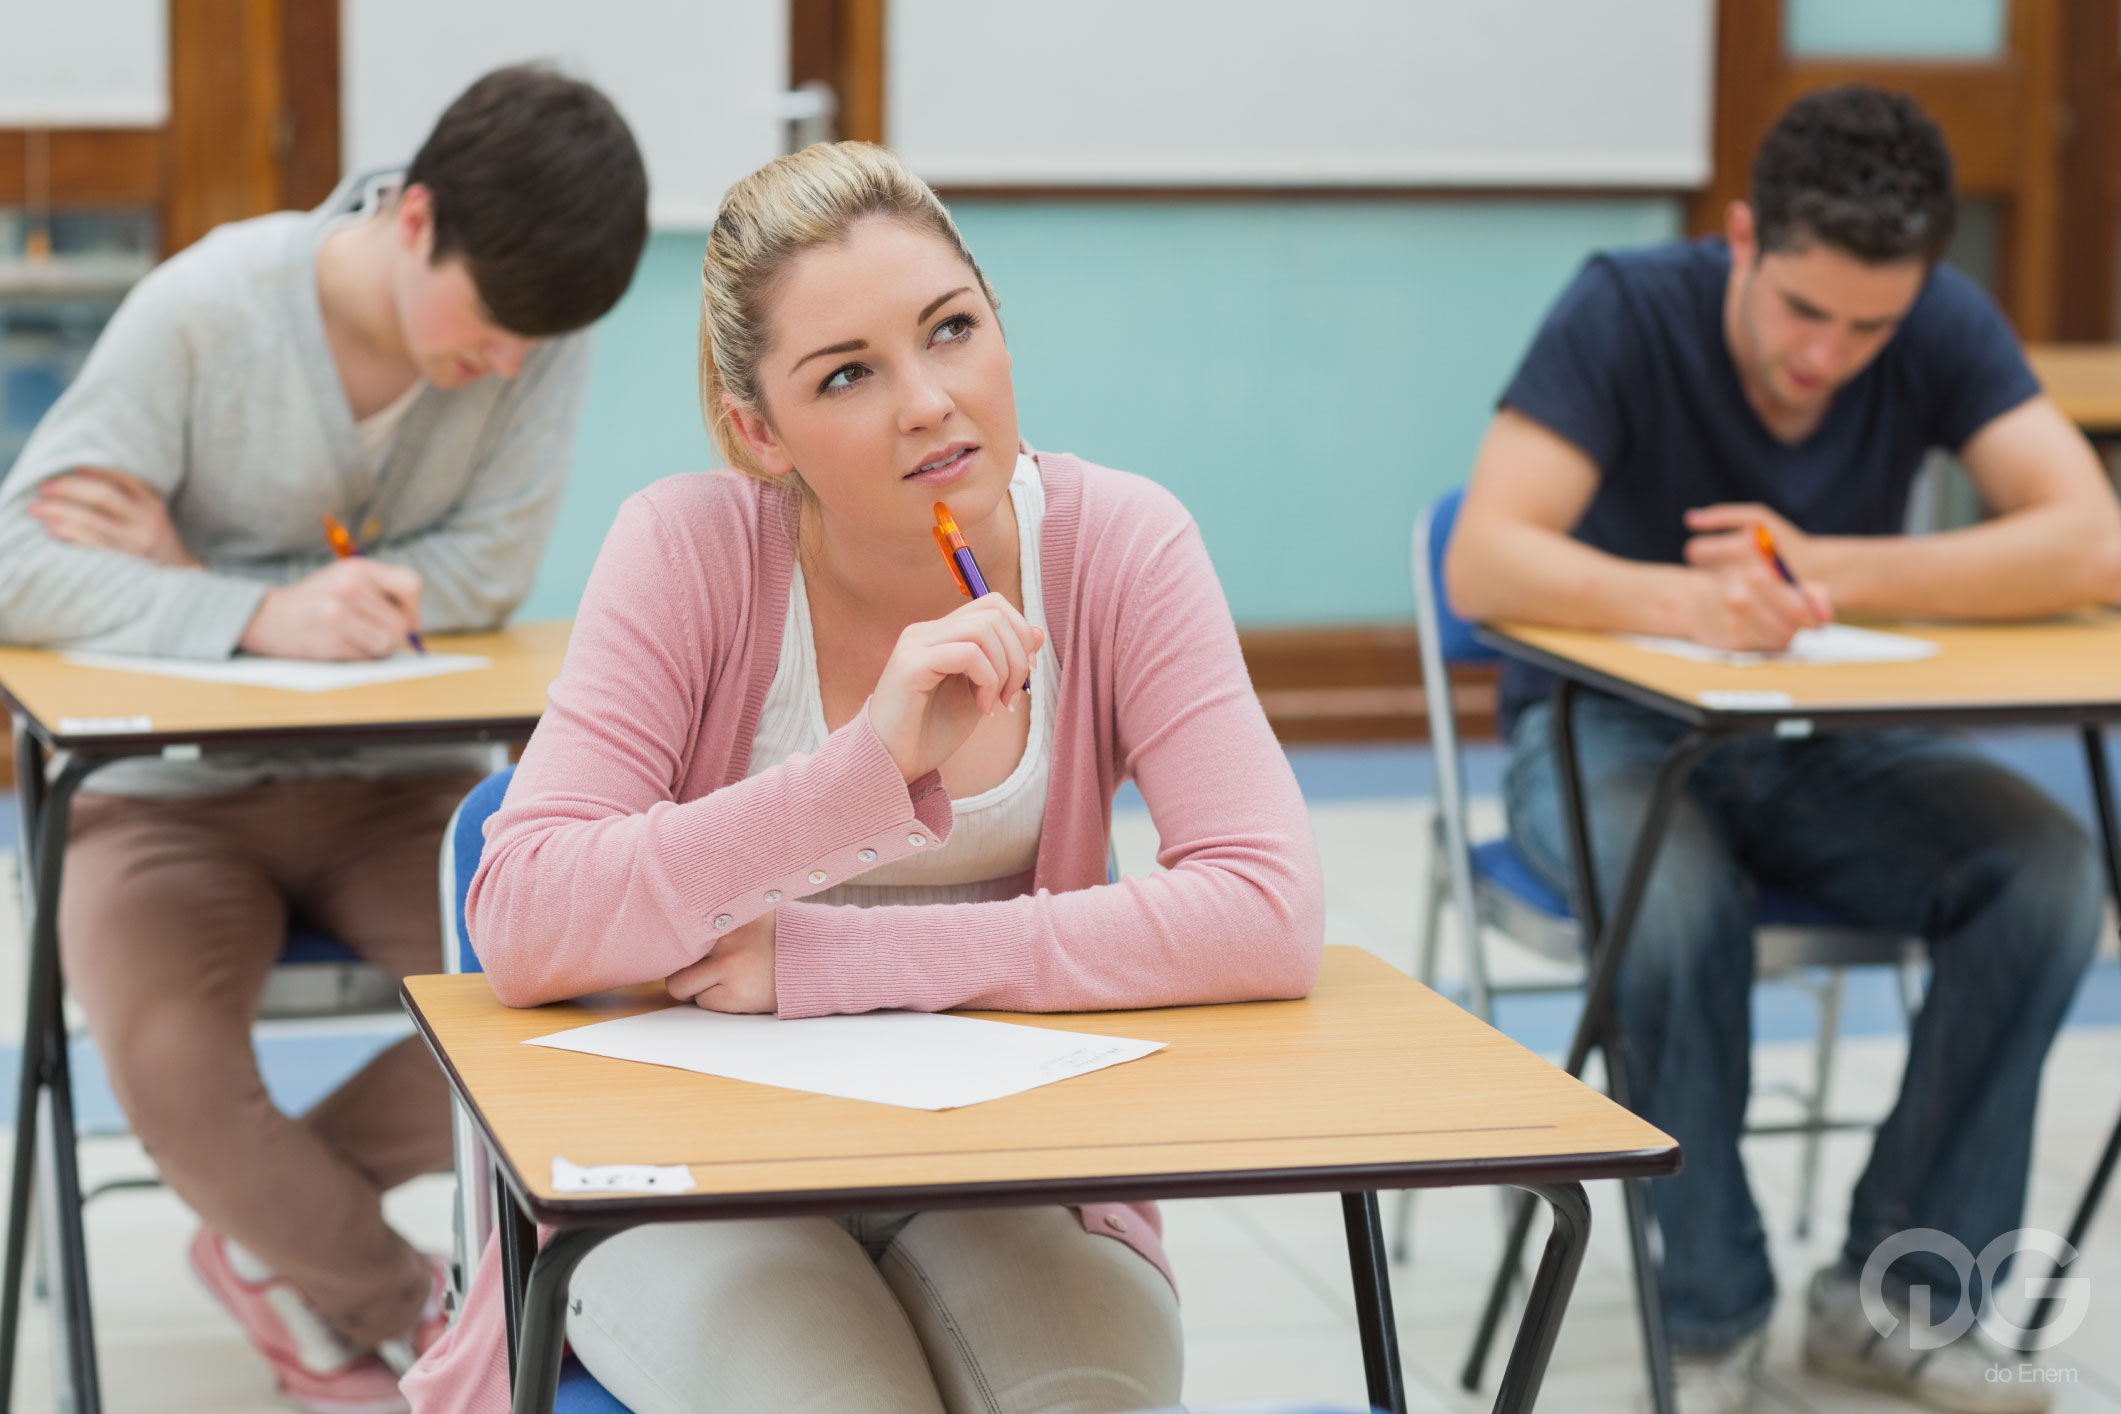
<point x="579" y="1393"/>
<point x="318" y="976"/>
<point x="1491" y="887"/>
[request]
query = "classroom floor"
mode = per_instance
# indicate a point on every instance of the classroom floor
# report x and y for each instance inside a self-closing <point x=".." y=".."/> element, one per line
<point x="1267" y="1306"/>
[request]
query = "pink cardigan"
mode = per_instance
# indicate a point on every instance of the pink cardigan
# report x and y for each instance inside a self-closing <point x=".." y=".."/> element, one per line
<point x="630" y="837"/>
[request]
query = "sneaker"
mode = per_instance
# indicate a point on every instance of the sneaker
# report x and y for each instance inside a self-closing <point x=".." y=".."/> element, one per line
<point x="400" y="1354"/>
<point x="315" y="1368"/>
<point x="1967" y="1376"/>
<point x="1715" y="1382"/>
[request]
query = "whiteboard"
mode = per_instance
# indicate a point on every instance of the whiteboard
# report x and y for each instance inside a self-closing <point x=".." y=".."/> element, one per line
<point x="84" y="63"/>
<point x="700" y="81"/>
<point x="1591" y="93"/>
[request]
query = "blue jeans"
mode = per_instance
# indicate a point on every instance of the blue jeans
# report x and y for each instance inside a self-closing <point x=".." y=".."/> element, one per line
<point x="1911" y="831"/>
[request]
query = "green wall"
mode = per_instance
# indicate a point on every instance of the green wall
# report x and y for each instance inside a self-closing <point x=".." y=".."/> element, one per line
<point x="642" y="420"/>
<point x="1303" y="374"/>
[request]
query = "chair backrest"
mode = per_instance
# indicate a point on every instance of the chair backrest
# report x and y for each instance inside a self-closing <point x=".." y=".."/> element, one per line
<point x="1445" y="638"/>
<point x="461" y="845"/>
<point x="1452" y="635"/>
<point x="462" y="841"/>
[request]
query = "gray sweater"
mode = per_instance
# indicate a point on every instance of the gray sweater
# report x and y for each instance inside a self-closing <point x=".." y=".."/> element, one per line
<point x="215" y="384"/>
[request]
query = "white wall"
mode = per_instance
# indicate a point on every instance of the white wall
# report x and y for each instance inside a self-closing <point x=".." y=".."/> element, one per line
<point x="1598" y="93"/>
<point x="84" y="63"/>
<point x="699" y="80"/>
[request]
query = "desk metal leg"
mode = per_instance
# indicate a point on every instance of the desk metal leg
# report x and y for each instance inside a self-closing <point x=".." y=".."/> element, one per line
<point x="1649" y="1310"/>
<point x="1613" y="934"/>
<point x="1498" y="1295"/>
<point x="1373" y="1302"/>
<point x="44" y="1071"/>
<point x="1649" y="1303"/>
<point x="518" y="1237"/>
<point x="60" y="1176"/>
<point x="1548" y="1300"/>
<point x="1597" y="1025"/>
<point x="2110" y="855"/>
<point x="29" y="802"/>
<point x="543" y="1316"/>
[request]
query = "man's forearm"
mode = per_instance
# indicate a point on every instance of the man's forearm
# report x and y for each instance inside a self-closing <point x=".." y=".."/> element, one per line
<point x="1510" y="570"/>
<point x="2047" y="560"/>
<point x="63" y="596"/>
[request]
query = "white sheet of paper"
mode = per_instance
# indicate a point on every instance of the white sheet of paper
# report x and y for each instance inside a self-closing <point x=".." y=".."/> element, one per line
<point x="570" y="1177"/>
<point x="1835" y="643"/>
<point x="915" y="1059"/>
<point x="290" y="674"/>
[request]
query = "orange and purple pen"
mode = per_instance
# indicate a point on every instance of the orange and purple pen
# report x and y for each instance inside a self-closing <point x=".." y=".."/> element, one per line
<point x="342" y="545"/>
<point x="1765" y="539"/>
<point x="958" y="556"/>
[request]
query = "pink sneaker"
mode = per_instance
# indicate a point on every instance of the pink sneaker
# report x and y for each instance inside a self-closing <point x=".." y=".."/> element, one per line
<point x="433" y="1320"/>
<point x="315" y="1368"/>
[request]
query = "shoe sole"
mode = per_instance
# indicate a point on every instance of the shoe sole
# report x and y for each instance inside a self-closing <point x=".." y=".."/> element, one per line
<point x="1862" y="1372"/>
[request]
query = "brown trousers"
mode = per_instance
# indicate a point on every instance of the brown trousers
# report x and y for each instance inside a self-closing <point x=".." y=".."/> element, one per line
<point x="172" y="914"/>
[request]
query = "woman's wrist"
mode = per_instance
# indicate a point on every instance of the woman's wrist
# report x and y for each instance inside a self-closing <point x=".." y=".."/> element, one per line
<point x="906" y="770"/>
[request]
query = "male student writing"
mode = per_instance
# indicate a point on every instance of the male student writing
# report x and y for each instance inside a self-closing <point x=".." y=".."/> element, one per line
<point x="1794" y="374"/>
<point x="406" y="359"/>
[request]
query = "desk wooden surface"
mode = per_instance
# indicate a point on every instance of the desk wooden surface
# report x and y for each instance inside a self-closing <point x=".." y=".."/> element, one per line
<point x="2084" y="380"/>
<point x="508" y="695"/>
<point x="1372" y="1073"/>
<point x="2016" y="670"/>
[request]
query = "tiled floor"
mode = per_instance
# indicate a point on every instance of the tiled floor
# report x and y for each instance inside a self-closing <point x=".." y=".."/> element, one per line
<point x="1267" y="1306"/>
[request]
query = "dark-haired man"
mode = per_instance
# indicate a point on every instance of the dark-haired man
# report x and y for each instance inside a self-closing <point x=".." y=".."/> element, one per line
<point x="1794" y="374"/>
<point x="409" y="358"/>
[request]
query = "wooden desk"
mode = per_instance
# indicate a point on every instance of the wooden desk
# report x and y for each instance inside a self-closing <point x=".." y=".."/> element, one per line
<point x="1372" y="1082"/>
<point x="2064" y="672"/>
<point x="2084" y="380"/>
<point x="69" y="721"/>
<point x="502" y="701"/>
<point x="2055" y="672"/>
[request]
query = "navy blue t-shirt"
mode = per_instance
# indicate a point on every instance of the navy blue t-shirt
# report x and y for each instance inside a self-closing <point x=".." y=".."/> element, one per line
<point x="1631" y="366"/>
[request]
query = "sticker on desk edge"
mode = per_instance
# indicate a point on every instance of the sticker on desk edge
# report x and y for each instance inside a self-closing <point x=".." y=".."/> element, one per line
<point x="619" y="1178"/>
<point x="1746" y="701"/>
<point x="104" y="726"/>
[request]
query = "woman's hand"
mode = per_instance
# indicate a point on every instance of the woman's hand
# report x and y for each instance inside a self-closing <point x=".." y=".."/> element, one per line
<point x="108" y="510"/>
<point x="945" y="675"/>
<point x="737" y="976"/>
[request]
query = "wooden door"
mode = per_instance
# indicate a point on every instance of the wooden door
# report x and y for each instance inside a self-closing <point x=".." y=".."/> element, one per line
<point x="2004" y="118"/>
<point x="2088" y="301"/>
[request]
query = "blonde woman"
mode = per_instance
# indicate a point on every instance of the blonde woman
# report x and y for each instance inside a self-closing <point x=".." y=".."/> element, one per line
<point x="788" y="768"/>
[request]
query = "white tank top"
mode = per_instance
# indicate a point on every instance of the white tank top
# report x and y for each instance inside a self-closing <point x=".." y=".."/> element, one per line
<point x="994" y="840"/>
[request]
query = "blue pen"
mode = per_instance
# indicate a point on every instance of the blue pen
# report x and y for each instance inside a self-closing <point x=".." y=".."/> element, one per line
<point x="958" y="556"/>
